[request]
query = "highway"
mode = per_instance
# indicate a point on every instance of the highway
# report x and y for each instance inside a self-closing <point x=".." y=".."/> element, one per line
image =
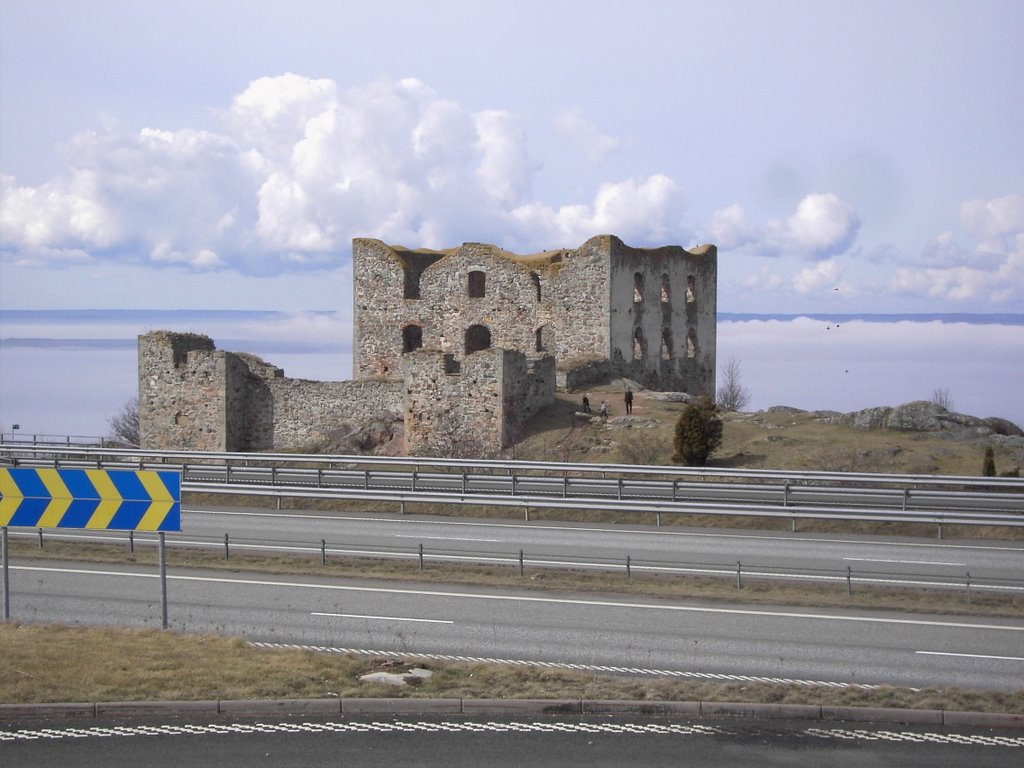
<point x="871" y="559"/>
<point x="689" y="639"/>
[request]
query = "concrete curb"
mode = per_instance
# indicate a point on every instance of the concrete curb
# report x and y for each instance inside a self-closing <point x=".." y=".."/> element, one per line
<point x="494" y="707"/>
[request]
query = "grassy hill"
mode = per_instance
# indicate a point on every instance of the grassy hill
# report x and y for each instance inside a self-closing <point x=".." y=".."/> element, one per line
<point x="779" y="438"/>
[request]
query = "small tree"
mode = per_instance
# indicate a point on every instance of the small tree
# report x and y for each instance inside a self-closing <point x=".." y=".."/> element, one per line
<point x="988" y="468"/>
<point x="732" y="395"/>
<point x="698" y="433"/>
<point x="942" y="397"/>
<point x="124" y="426"/>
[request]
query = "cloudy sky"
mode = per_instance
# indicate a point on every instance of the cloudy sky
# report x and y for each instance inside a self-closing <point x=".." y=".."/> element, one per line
<point x="844" y="156"/>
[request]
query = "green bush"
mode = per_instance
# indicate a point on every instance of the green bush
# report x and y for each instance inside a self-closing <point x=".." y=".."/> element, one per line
<point x="698" y="433"/>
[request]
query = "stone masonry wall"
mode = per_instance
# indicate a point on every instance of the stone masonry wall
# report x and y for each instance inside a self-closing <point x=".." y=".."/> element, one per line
<point x="195" y="397"/>
<point x="650" y="311"/>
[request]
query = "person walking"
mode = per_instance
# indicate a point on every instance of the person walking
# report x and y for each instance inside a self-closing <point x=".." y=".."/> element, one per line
<point x="586" y="403"/>
<point x="604" y="410"/>
<point x="629" y="401"/>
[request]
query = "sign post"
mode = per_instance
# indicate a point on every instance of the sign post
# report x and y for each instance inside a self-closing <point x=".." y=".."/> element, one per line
<point x="91" y="499"/>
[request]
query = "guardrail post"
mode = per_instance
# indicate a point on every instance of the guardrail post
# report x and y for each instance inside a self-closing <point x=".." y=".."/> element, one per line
<point x="785" y="495"/>
<point x="414" y="481"/>
<point x="273" y="475"/>
<point x="849" y="581"/>
<point x="421" y="555"/>
<point x="401" y="507"/>
<point x="131" y="541"/>
<point x="739" y="575"/>
<point x="792" y="524"/>
<point x="940" y="531"/>
<point x="163" y="580"/>
<point x="319" y="477"/>
<point x="565" y="485"/>
<point x="526" y="513"/>
<point x="278" y="503"/>
<point x="620" y="488"/>
<point x="521" y="569"/>
<point x="968" y="587"/>
<point x="629" y="575"/>
<point x="7" y="589"/>
<point x="658" y="519"/>
<point x="674" y="481"/>
<point x="366" y="479"/>
<point x="906" y="498"/>
<point x="227" y="552"/>
<point x="513" y="483"/>
<point x="40" y="538"/>
<point x="463" y="483"/>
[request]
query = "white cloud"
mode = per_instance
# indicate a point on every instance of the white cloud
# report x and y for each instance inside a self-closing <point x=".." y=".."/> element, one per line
<point x="823" y="225"/>
<point x="640" y="211"/>
<point x="992" y="271"/>
<point x="582" y="134"/>
<point x="821" y="276"/>
<point x="298" y="169"/>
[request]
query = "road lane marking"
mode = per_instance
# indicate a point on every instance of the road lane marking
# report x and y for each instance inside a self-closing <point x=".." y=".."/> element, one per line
<point x="381" y="618"/>
<point x="532" y="599"/>
<point x="445" y="538"/>
<point x="900" y="562"/>
<point x="971" y="655"/>
<point x="616" y="531"/>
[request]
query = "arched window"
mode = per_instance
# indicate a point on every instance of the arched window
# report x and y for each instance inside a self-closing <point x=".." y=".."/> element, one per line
<point x="477" y="284"/>
<point x="535" y="279"/>
<point x="477" y="337"/>
<point x="545" y="339"/>
<point x="412" y="338"/>
<point x="691" y="289"/>
<point x="666" y="291"/>
<point x="691" y="344"/>
<point x="666" y="344"/>
<point x="638" y="288"/>
<point x="639" y="344"/>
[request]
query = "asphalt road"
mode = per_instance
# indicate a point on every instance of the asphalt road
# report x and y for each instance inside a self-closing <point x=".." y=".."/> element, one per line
<point x="500" y="742"/>
<point x="870" y="558"/>
<point x="694" y="639"/>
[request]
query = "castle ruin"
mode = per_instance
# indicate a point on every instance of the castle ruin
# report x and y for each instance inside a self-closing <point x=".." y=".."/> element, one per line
<point x="460" y="346"/>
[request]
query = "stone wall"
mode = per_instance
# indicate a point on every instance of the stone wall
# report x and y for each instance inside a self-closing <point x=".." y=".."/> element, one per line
<point x="475" y="406"/>
<point x="195" y="397"/>
<point x="650" y="311"/>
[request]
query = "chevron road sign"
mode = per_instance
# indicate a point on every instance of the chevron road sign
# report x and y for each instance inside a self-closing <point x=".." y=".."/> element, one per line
<point x="100" y="499"/>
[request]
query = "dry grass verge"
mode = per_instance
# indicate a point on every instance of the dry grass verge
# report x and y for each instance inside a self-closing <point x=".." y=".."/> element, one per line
<point x="51" y="663"/>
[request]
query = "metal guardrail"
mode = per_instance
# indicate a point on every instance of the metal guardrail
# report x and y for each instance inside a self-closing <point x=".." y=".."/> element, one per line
<point x="736" y="571"/>
<point x="66" y="441"/>
<point x="134" y="456"/>
<point x="619" y="488"/>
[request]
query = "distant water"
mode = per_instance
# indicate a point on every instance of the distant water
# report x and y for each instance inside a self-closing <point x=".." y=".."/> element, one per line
<point x="67" y="371"/>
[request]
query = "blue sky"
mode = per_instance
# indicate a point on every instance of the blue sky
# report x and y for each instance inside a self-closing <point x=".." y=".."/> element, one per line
<point x="845" y="156"/>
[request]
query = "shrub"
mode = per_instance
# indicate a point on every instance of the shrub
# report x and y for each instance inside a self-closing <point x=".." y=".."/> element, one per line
<point x="698" y="433"/>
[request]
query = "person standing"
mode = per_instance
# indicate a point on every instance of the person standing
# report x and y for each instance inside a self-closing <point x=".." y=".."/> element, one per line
<point x="604" y="410"/>
<point x="586" y="403"/>
<point x="629" y="401"/>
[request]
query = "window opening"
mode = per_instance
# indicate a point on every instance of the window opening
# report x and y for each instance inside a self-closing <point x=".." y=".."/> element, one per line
<point x="666" y="291"/>
<point x="691" y="344"/>
<point x="691" y="289"/>
<point x="477" y="337"/>
<point x="477" y="284"/>
<point x="412" y="338"/>
<point x="666" y="344"/>
<point x="638" y="344"/>
<point x="638" y="288"/>
<point x="535" y="279"/>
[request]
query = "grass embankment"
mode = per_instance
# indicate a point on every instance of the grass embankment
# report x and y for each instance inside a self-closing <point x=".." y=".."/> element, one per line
<point x="46" y="663"/>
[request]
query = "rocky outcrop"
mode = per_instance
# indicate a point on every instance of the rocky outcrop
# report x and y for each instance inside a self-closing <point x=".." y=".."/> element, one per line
<point x="924" y="416"/>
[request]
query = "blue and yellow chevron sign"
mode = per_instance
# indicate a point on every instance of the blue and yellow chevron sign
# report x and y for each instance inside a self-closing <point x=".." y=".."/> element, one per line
<point x="101" y="499"/>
